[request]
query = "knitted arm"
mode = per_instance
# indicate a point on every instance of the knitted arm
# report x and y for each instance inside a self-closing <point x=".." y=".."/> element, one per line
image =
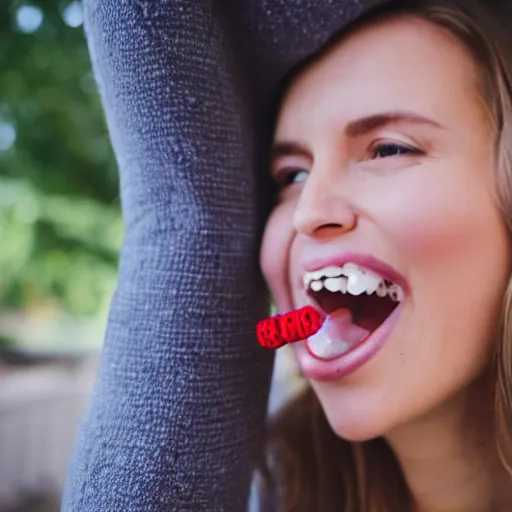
<point x="179" y="405"/>
<point x="177" y="414"/>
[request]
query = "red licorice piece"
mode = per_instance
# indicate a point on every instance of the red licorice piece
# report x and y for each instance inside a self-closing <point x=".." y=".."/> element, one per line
<point x="279" y="330"/>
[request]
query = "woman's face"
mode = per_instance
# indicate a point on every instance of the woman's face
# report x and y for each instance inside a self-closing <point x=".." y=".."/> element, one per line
<point x="384" y="151"/>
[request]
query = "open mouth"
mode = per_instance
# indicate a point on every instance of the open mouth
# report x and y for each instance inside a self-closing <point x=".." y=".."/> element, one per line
<point x="355" y="300"/>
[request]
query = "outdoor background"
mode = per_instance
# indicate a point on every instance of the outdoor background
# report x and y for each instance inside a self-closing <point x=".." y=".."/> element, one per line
<point x="60" y="232"/>
<point x="59" y="211"/>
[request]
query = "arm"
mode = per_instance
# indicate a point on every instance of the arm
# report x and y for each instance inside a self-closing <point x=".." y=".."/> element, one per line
<point x="177" y="414"/>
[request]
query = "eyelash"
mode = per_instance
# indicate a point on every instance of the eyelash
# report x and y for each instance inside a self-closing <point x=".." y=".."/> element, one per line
<point x="402" y="148"/>
<point x="285" y="176"/>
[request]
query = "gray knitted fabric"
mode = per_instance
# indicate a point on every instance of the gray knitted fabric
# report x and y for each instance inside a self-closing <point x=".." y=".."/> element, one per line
<point x="176" y="418"/>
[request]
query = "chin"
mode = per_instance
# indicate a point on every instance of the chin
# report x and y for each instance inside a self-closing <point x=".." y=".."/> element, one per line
<point x="356" y="431"/>
<point x="355" y="420"/>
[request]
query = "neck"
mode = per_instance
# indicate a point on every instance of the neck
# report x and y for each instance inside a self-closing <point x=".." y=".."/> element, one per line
<point x="449" y="459"/>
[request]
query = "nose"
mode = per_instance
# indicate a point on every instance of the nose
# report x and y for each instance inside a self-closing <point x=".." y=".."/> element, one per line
<point x="323" y="207"/>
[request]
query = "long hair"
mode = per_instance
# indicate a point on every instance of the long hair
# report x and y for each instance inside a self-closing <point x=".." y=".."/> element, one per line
<point x="312" y="468"/>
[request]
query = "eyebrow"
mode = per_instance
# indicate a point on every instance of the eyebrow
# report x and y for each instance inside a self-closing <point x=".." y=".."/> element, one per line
<point x="357" y="128"/>
<point x="288" y="148"/>
<point x="368" y="124"/>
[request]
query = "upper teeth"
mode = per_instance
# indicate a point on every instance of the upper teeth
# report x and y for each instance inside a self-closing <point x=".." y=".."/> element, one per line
<point x="350" y="278"/>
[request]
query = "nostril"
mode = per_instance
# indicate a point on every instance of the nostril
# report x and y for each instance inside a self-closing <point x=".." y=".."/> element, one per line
<point x="310" y="224"/>
<point x="332" y="226"/>
<point x="324" y="217"/>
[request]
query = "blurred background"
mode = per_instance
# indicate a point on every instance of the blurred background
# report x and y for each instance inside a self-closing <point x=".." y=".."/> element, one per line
<point x="61" y="230"/>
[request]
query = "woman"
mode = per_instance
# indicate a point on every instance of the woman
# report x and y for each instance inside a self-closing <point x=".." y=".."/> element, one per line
<point x="385" y="158"/>
<point x="392" y="155"/>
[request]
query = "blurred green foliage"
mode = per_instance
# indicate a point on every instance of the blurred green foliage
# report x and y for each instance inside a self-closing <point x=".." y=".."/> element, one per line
<point x="60" y="225"/>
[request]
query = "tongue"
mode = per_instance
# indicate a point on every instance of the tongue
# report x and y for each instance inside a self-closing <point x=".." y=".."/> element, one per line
<point x="337" y="335"/>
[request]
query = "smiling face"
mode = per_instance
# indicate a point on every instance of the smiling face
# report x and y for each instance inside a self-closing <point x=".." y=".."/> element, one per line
<point x="384" y="152"/>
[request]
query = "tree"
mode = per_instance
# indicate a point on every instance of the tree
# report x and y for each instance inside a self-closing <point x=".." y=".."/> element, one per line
<point x="60" y="223"/>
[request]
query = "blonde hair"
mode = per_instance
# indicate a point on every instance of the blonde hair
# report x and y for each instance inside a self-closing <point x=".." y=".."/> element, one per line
<point x="314" y="469"/>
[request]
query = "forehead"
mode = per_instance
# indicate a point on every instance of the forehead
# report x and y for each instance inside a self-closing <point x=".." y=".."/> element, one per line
<point x="400" y="63"/>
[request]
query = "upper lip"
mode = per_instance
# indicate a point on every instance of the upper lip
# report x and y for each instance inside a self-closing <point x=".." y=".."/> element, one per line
<point x="367" y="261"/>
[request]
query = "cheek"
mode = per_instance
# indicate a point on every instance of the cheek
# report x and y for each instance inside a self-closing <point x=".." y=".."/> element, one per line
<point x="446" y="222"/>
<point x="274" y="253"/>
<point x="450" y="236"/>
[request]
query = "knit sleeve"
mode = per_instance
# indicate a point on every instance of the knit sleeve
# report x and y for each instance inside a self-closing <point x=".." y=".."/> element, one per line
<point x="176" y="418"/>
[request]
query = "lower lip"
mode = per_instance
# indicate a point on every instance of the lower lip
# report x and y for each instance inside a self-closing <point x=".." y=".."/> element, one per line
<point x="335" y="369"/>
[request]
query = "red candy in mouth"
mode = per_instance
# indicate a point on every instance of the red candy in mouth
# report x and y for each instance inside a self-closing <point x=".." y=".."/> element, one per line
<point x="279" y="330"/>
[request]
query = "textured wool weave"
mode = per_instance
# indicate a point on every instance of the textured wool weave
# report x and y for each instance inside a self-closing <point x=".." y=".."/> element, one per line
<point x="176" y="418"/>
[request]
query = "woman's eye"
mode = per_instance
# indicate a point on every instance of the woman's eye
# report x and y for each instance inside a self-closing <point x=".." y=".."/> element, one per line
<point x="291" y="176"/>
<point x="392" y="149"/>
